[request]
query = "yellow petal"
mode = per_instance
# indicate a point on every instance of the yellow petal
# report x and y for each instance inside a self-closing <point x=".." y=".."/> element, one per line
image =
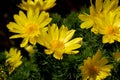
<point x="103" y="61"/>
<point x="75" y="51"/>
<point x="12" y="51"/>
<point x="87" y="24"/>
<point x="24" y="42"/>
<point x="110" y="5"/>
<point x="44" y="19"/>
<point x="107" y="68"/>
<point x="49" y="4"/>
<point x="99" y="4"/>
<point x="97" y="56"/>
<point x="48" y="51"/>
<point x="30" y="14"/>
<point x="36" y="14"/>
<point x="41" y="2"/>
<point x="16" y="36"/>
<point x="69" y="35"/>
<point x="13" y="27"/>
<point x="62" y="32"/>
<point x="103" y="74"/>
<point x="18" y="64"/>
<point x="107" y="39"/>
<point x="73" y="41"/>
<point x="53" y="31"/>
<point x="58" y="55"/>
<point x="92" y="10"/>
<point x="84" y="17"/>
<point x="20" y="19"/>
<point x="68" y="49"/>
<point x="23" y="17"/>
<point x="33" y="41"/>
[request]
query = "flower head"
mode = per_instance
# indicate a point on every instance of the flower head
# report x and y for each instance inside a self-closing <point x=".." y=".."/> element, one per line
<point x="58" y="41"/>
<point x="96" y="68"/>
<point x="100" y="9"/>
<point x="13" y="59"/>
<point x="42" y="5"/>
<point x="109" y="27"/>
<point x="30" y="26"/>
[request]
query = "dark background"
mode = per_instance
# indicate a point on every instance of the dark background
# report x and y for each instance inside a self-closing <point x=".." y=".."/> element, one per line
<point x="9" y="7"/>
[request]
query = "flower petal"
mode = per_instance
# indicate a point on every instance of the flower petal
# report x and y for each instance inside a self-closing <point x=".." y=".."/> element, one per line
<point x="58" y="55"/>
<point x="24" y="42"/>
<point x="69" y="35"/>
<point x="48" y="51"/>
<point x="87" y="24"/>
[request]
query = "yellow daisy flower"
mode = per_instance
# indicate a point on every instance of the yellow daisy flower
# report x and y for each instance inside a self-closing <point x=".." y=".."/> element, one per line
<point x="58" y="41"/>
<point x="30" y="26"/>
<point x="109" y="27"/>
<point x="96" y="68"/>
<point x="101" y="7"/>
<point x="42" y="5"/>
<point x="13" y="59"/>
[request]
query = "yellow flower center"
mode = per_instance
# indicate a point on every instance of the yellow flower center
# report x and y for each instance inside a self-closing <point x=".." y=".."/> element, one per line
<point x="55" y="44"/>
<point x="111" y="31"/>
<point x="30" y="29"/>
<point x="93" y="70"/>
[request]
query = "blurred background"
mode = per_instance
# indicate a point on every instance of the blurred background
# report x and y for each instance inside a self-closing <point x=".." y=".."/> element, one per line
<point x="9" y="7"/>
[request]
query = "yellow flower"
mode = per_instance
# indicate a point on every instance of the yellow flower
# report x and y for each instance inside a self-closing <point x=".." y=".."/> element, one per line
<point x="58" y="41"/>
<point x="96" y="68"/>
<point x="30" y="26"/>
<point x="13" y="59"/>
<point x="101" y="9"/>
<point x="109" y="27"/>
<point x="116" y="56"/>
<point x="34" y="4"/>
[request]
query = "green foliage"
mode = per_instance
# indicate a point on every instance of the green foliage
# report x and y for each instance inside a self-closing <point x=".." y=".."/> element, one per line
<point x="56" y="18"/>
<point x="72" y="21"/>
<point x="27" y="71"/>
<point x="66" y="69"/>
<point x="2" y="57"/>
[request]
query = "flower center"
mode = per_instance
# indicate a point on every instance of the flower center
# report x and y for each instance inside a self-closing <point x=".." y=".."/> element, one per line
<point x="30" y="29"/>
<point x="55" y="44"/>
<point x="93" y="70"/>
<point x="112" y="31"/>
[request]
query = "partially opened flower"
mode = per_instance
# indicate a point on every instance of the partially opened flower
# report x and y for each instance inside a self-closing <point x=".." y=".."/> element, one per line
<point x="13" y="59"/>
<point x="96" y="68"/>
<point x="58" y="41"/>
<point x="116" y="56"/>
<point x="42" y="5"/>
<point x="29" y="26"/>
<point x="101" y="7"/>
<point x="30" y="49"/>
